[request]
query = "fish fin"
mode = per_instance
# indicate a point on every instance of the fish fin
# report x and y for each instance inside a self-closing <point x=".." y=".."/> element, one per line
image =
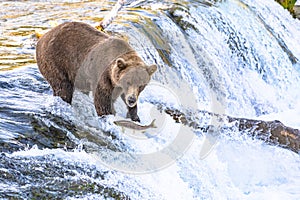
<point x="152" y="124"/>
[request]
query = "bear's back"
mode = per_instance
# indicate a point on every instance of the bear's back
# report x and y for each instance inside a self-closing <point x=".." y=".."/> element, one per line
<point x="66" y="45"/>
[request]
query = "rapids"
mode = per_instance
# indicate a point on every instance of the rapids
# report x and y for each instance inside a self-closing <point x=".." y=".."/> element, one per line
<point x="234" y="57"/>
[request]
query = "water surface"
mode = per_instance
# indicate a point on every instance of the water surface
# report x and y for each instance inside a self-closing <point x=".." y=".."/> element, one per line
<point x="239" y="58"/>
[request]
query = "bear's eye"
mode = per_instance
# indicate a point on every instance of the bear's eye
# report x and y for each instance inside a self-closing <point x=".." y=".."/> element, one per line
<point x="141" y="88"/>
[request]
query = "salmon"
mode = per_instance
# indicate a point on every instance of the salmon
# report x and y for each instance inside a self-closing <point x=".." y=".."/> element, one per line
<point x="133" y="125"/>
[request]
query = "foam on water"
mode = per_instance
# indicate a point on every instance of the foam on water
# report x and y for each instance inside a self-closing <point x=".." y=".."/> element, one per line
<point x="255" y="78"/>
<point x="290" y="117"/>
<point x="239" y="167"/>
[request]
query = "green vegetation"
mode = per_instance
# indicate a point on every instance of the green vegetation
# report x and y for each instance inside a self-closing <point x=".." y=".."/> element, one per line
<point x="287" y="4"/>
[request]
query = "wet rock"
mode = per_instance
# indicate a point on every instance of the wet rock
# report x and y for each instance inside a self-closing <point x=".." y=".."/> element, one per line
<point x="46" y="177"/>
<point x="272" y="132"/>
<point x="296" y="10"/>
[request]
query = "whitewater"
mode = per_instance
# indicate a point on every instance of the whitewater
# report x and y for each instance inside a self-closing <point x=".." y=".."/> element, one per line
<point x="238" y="58"/>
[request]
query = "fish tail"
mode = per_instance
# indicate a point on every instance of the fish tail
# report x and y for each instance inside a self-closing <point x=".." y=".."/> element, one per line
<point x="152" y="124"/>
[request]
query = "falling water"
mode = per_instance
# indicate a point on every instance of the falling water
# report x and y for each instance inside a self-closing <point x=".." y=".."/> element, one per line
<point x="234" y="57"/>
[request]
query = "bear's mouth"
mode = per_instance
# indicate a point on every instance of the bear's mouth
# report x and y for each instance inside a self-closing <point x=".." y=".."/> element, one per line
<point x="131" y="101"/>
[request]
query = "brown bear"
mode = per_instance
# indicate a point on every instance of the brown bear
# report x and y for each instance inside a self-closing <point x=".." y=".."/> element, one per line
<point x="76" y="55"/>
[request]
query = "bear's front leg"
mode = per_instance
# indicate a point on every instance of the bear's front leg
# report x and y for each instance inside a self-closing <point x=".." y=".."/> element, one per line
<point x="132" y="111"/>
<point x="103" y="103"/>
<point x="132" y="114"/>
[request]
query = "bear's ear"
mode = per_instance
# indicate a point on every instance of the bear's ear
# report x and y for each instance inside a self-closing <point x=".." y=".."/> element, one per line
<point x="151" y="69"/>
<point x="121" y="63"/>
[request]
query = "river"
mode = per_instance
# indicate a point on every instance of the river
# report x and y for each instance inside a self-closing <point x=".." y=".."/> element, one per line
<point x="234" y="57"/>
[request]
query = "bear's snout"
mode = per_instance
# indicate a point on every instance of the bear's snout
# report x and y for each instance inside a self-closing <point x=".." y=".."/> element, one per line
<point x="131" y="100"/>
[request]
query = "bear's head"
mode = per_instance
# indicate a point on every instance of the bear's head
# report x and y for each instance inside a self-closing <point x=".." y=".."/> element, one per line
<point x="131" y="78"/>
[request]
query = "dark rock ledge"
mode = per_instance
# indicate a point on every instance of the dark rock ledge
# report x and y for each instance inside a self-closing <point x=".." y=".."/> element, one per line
<point x="272" y="132"/>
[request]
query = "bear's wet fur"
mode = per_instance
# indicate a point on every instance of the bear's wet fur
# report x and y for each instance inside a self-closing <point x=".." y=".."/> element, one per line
<point x="75" y="54"/>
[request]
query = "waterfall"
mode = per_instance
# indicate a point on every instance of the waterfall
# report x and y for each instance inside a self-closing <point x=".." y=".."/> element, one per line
<point x="235" y="57"/>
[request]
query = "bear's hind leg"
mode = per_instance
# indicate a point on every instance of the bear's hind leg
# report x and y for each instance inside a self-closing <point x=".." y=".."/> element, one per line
<point x="61" y="85"/>
<point x="57" y="78"/>
<point x="65" y="91"/>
